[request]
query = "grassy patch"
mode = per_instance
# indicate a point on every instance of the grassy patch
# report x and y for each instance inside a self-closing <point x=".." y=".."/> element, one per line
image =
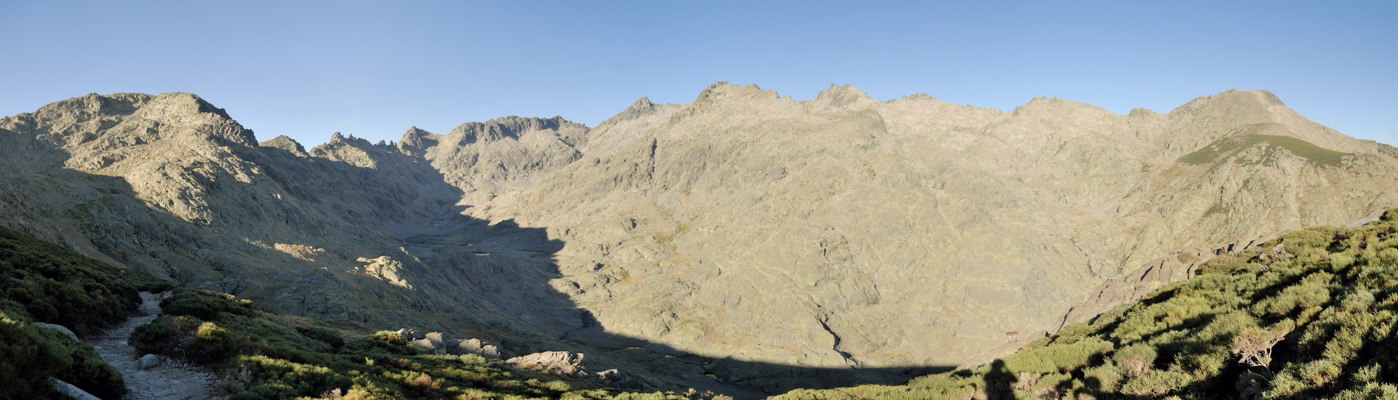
<point x="1228" y="146"/>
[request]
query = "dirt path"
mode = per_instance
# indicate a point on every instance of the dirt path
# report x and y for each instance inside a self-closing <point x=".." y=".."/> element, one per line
<point x="170" y="380"/>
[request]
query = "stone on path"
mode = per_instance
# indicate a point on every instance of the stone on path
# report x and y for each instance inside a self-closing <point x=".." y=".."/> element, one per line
<point x="148" y="361"/>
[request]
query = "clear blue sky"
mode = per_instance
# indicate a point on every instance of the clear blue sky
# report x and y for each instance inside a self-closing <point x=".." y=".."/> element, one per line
<point x="372" y="69"/>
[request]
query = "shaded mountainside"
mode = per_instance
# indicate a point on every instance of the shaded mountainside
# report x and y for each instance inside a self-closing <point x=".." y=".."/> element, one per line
<point x="671" y="240"/>
<point x="1310" y="315"/>
<point x="259" y="355"/>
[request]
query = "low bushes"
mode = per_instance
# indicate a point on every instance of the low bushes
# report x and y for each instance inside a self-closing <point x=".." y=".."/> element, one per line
<point x="54" y="285"/>
<point x="46" y="283"/>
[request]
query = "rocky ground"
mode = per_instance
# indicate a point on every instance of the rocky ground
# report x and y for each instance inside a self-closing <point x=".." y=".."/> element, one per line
<point x="169" y="379"/>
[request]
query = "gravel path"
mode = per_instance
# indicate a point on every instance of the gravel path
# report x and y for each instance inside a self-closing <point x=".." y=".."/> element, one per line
<point x="172" y="379"/>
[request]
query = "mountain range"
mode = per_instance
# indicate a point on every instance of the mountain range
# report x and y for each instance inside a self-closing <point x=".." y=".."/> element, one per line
<point x="743" y="239"/>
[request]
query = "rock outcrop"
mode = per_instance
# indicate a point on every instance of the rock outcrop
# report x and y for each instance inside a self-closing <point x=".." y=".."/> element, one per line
<point x="555" y="363"/>
<point x="441" y="343"/>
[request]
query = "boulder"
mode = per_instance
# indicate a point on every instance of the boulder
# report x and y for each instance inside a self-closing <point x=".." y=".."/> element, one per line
<point x="614" y="378"/>
<point x="468" y="346"/>
<point x="426" y="346"/>
<point x="438" y="339"/>
<point x="556" y="363"/>
<point x="411" y="334"/>
<point x="68" y="390"/>
<point x="59" y="328"/>
<point x="493" y="351"/>
<point x="148" y="361"/>
<point x="478" y="347"/>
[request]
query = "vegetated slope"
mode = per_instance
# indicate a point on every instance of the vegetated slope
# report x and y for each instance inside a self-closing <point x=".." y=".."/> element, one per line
<point x="884" y="235"/>
<point x="41" y="282"/>
<point x="913" y="231"/>
<point x="260" y="355"/>
<point x="1311" y="314"/>
<point x="268" y="356"/>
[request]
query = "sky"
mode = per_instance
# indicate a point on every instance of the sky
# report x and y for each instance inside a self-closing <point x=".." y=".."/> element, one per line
<point x="307" y="69"/>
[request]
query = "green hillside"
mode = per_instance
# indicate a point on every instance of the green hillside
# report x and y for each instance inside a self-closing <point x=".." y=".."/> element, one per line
<point x="41" y="282"/>
<point x="1309" y="315"/>
<point x="270" y="356"/>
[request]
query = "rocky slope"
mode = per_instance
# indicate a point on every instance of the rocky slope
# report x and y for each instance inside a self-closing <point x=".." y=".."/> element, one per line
<point x="847" y="231"/>
<point x="744" y="226"/>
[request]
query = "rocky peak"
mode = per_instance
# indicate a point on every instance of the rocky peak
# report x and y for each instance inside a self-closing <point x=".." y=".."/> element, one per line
<point x="190" y="111"/>
<point x="1056" y="108"/>
<point x="1209" y="118"/>
<point x="511" y="127"/>
<point x="841" y="96"/>
<point x="1253" y="103"/>
<point x="724" y="90"/>
<point x="349" y="149"/>
<point x="285" y="143"/>
<point x="716" y="91"/>
<point x="642" y="104"/>
<point x="94" y="104"/>
<point x="920" y="97"/>
<point x="415" y="141"/>
<point x="641" y="107"/>
<point x="1258" y="96"/>
<point x="1142" y="112"/>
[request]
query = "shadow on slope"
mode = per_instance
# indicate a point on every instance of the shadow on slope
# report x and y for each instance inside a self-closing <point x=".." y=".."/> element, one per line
<point x="384" y="245"/>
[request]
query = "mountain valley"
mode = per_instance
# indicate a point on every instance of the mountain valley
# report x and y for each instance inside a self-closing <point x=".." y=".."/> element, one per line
<point x="744" y="243"/>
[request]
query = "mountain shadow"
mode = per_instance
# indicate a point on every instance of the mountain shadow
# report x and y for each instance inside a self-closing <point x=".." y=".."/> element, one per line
<point x="351" y="231"/>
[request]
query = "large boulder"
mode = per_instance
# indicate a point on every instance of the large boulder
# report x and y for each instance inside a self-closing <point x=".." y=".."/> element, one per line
<point x="556" y="363"/>
<point x="426" y="346"/>
<point x="59" y="328"/>
<point x="481" y="348"/>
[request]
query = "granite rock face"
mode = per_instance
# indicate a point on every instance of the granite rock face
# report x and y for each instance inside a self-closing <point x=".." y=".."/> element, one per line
<point x="745" y="227"/>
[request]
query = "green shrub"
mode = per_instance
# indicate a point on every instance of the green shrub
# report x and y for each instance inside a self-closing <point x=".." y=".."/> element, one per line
<point x="1369" y="391"/>
<point x="202" y="304"/>
<point x="1306" y="376"/>
<point x="1104" y="378"/>
<point x="164" y="335"/>
<point x="390" y="337"/>
<point x="326" y="336"/>
<point x="1135" y="360"/>
<point x="1156" y="383"/>
<point x="58" y="286"/>
<point x="1311" y="292"/>
<point x="1055" y="358"/>
<point x="213" y="344"/>
<point x="300" y="379"/>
